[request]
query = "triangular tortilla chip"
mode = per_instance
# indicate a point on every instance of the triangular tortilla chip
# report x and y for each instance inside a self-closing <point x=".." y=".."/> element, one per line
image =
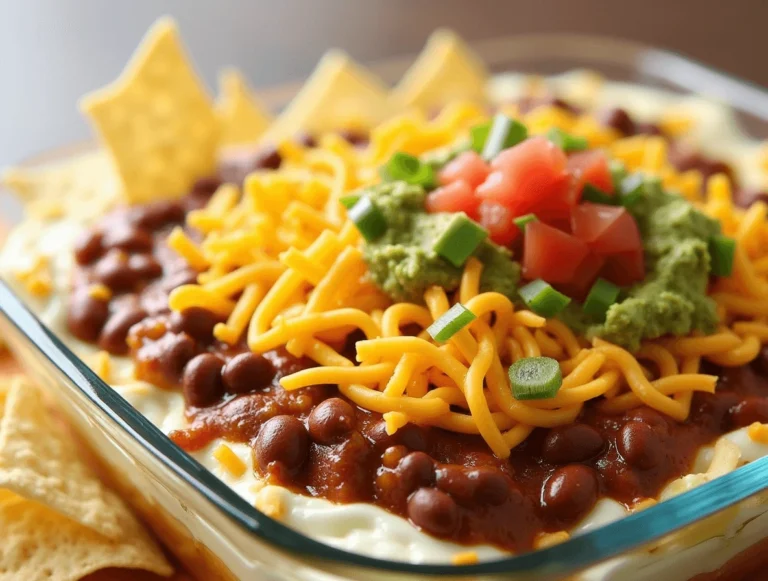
<point x="83" y="186"/>
<point x="38" y="463"/>
<point x="446" y="70"/>
<point x="340" y="94"/>
<point x="39" y="544"/>
<point x="157" y="120"/>
<point x="241" y="117"/>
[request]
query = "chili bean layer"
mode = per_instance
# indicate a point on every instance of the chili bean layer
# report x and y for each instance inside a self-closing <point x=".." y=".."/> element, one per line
<point x="317" y="443"/>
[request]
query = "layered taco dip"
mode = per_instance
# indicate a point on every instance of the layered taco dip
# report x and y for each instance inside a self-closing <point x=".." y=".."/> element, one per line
<point x="463" y="318"/>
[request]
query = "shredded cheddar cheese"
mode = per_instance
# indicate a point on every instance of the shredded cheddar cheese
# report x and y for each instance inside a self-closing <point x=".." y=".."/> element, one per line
<point x="230" y="461"/>
<point x="282" y="264"/>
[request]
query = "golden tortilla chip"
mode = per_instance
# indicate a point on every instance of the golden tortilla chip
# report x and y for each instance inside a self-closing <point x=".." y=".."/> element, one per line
<point x="84" y="186"/>
<point x="39" y="464"/>
<point x="157" y="120"/>
<point x="241" y="117"/>
<point x="339" y="94"/>
<point x="43" y="536"/>
<point x="446" y="70"/>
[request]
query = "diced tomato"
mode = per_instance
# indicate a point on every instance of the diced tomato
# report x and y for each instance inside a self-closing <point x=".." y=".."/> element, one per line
<point x="626" y="268"/>
<point x="606" y="229"/>
<point x="468" y="166"/>
<point x="551" y="254"/>
<point x="497" y="219"/>
<point x="590" y="167"/>
<point x="530" y="177"/>
<point x="457" y="196"/>
<point x="585" y="276"/>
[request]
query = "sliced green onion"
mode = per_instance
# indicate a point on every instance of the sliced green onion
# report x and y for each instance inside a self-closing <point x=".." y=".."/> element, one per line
<point x="601" y="296"/>
<point x="460" y="239"/>
<point x="368" y="219"/>
<point x="478" y="136"/>
<point x="408" y="168"/>
<point x="631" y="189"/>
<point x="721" y="252"/>
<point x="451" y="322"/>
<point x="521" y="221"/>
<point x="618" y="172"/>
<point x="566" y="141"/>
<point x="535" y="378"/>
<point x="349" y="201"/>
<point x="542" y="299"/>
<point x="504" y="133"/>
<point x="595" y="195"/>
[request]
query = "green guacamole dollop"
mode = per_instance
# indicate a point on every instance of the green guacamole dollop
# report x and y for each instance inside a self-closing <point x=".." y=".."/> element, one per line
<point x="402" y="262"/>
<point x="672" y="299"/>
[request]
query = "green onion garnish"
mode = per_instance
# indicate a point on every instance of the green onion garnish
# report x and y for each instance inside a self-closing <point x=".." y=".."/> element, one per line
<point x="601" y="296"/>
<point x="521" y="221"/>
<point x="451" y="322"/>
<point x="631" y="189"/>
<point x="504" y="133"/>
<point x="368" y="219"/>
<point x="566" y="141"/>
<point x="460" y="239"/>
<point x="595" y="195"/>
<point x="349" y="201"/>
<point x="721" y="252"/>
<point x="535" y="378"/>
<point x="408" y="168"/>
<point x="618" y="172"/>
<point x="478" y="136"/>
<point x="542" y="299"/>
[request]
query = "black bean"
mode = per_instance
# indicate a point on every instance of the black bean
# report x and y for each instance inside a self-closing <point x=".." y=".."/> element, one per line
<point x="282" y="440"/>
<point x="331" y="420"/>
<point x="247" y="372"/>
<point x="202" y="381"/>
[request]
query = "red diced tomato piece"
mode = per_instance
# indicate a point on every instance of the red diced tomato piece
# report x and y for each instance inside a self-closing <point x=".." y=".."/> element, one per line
<point x="585" y="276"/>
<point x="457" y="196"/>
<point x="590" y="167"/>
<point x="498" y="220"/>
<point x="606" y="229"/>
<point x="530" y="177"/>
<point x="626" y="268"/>
<point x="551" y="254"/>
<point x="468" y="166"/>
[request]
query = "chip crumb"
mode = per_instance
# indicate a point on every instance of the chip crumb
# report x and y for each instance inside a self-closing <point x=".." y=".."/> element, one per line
<point x="100" y="291"/>
<point x="157" y="120"/>
<point x="270" y="501"/>
<point x="545" y="540"/>
<point x="230" y="461"/>
<point x="393" y="421"/>
<point x="242" y="119"/>
<point x="758" y="432"/>
<point x="36" y="278"/>
<point x="465" y="558"/>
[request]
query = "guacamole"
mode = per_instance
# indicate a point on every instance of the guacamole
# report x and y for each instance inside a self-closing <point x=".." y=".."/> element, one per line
<point x="672" y="299"/>
<point x="402" y="262"/>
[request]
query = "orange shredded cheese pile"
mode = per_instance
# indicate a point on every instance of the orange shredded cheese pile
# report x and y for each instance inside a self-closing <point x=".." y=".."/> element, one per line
<point x="284" y="266"/>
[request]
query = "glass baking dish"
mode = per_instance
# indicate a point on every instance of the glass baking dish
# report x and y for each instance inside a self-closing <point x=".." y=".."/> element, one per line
<point x="218" y="535"/>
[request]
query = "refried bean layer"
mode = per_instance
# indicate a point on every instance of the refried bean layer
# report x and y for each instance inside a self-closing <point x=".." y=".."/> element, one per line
<point x="317" y="443"/>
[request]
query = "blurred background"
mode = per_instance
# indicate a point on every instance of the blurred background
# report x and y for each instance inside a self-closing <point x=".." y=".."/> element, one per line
<point x="53" y="51"/>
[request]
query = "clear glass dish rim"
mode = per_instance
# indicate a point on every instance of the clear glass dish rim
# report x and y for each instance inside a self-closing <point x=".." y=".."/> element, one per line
<point x="576" y="553"/>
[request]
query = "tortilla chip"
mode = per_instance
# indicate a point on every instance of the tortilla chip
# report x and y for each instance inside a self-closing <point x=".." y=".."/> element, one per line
<point x="41" y="544"/>
<point x="43" y="536"/>
<point x="446" y="70"/>
<point x="241" y="117"/>
<point x="157" y="120"/>
<point x="339" y="94"/>
<point x="84" y="186"/>
<point x="38" y="463"/>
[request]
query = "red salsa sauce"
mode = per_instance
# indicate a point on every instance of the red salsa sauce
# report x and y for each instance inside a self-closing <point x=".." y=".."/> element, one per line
<point x="317" y="443"/>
